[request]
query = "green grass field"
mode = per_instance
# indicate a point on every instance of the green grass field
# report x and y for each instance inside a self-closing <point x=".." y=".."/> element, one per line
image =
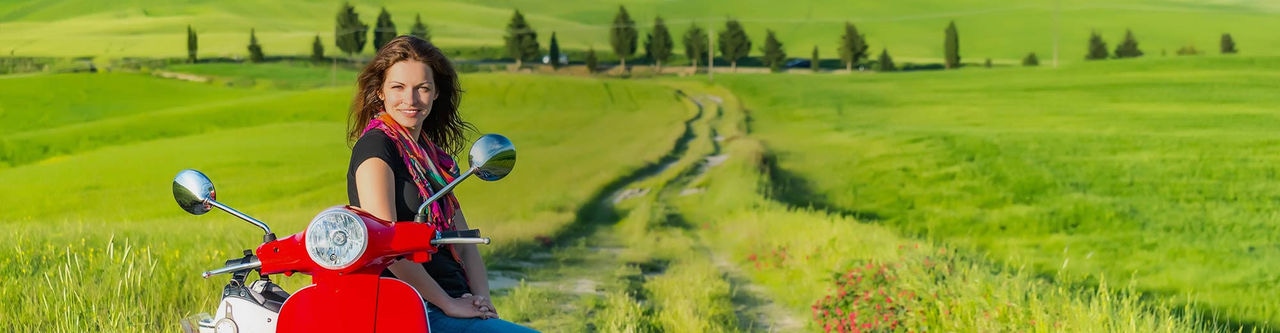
<point x="98" y="208"/>
<point x="1116" y="196"/>
<point x="911" y="31"/>
<point x="1157" y="173"/>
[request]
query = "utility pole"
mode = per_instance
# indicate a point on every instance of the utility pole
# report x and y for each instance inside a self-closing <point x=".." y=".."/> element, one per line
<point x="1056" y="9"/>
<point x="711" y="58"/>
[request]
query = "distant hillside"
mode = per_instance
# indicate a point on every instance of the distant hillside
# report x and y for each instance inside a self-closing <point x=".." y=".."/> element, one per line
<point x="911" y="30"/>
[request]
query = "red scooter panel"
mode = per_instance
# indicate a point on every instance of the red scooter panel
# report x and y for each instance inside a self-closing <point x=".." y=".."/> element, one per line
<point x="359" y="304"/>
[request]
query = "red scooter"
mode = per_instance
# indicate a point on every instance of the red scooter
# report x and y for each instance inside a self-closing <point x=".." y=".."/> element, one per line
<point x="344" y="249"/>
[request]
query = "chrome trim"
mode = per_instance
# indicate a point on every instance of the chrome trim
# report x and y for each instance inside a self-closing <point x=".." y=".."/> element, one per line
<point x="232" y="268"/>
<point x="242" y="216"/>
<point x="422" y="210"/>
<point x="460" y="240"/>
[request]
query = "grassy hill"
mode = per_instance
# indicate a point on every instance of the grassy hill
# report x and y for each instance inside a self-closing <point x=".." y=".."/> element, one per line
<point x="1159" y="173"/>
<point x="912" y="31"/>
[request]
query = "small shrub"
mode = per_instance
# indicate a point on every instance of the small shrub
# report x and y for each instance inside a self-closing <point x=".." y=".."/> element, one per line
<point x="1188" y="50"/>
<point x="1031" y="60"/>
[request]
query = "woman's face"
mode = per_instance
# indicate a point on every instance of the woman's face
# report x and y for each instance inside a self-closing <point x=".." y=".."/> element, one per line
<point x="407" y="92"/>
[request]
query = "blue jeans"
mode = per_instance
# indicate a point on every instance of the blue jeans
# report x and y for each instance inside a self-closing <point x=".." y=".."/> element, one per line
<point x="441" y="323"/>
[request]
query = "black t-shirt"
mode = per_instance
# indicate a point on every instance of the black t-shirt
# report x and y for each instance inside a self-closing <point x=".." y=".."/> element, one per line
<point x="375" y="144"/>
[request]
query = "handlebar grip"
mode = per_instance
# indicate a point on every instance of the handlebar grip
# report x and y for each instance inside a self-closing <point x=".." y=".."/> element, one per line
<point x="459" y="233"/>
<point x="460" y="240"/>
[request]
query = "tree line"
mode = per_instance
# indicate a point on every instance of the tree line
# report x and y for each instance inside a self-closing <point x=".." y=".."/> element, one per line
<point x="733" y="43"/>
<point x="1128" y="48"/>
<point x="350" y="35"/>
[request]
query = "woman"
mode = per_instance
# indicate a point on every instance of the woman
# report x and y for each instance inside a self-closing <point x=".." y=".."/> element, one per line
<point x="404" y="121"/>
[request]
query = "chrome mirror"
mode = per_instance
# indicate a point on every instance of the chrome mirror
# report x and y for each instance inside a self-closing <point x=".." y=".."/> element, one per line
<point x="193" y="191"/>
<point x="492" y="156"/>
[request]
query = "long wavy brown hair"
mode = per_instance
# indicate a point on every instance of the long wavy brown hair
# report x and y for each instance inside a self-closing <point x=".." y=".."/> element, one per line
<point x="443" y="126"/>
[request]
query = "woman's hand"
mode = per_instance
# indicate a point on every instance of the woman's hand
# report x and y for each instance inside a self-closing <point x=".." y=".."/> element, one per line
<point x="483" y="304"/>
<point x="466" y="307"/>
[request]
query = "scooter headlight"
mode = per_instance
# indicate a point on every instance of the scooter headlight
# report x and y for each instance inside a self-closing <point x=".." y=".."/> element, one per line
<point x="336" y="238"/>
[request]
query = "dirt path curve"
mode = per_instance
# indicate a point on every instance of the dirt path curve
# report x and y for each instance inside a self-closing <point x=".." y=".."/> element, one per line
<point x="590" y="259"/>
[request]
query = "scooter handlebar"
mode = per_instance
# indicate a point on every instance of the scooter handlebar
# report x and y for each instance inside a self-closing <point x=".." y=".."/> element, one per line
<point x="460" y="240"/>
<point x="232" y="268"/>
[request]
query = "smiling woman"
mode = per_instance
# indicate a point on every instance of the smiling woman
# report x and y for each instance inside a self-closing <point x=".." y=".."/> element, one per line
<point x="406" y="115"/>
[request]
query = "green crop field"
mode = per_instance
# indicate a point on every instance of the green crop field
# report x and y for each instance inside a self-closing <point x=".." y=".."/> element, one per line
<point x="912" y="31"/>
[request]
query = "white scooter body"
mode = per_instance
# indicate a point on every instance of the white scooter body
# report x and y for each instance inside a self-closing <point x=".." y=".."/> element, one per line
<point x="252" y="309"/>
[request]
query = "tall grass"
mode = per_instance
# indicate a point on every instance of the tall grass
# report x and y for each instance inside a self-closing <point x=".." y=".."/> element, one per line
<point x="808" y="261"/>
<point x="1156" y="173"/>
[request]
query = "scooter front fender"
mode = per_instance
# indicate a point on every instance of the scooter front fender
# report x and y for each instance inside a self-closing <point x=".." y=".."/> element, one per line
<point x="376" y="304"/>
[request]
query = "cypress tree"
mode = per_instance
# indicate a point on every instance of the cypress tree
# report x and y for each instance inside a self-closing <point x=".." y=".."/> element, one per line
<point x="521" y="39"/>
<point x="658" y="45"/>
<point x="1227" y="46"/>
<point x="1097" y="48"/>
<point x="192" y="45"/>
<point x="420" y="30"/>
<point x="384" y="30"/>
<point x="1129" y="47"/>
<point x="774" y="56"/>
<point x="886" y="62"/>
<point x="734" y="43"/>
<point x="695" y="45"/>
<point x="813" y="63"/>
<point x="349" y="33"/>
<point x="853" y="46"/>
<point x="591" y="60"/>
<point x="317" y="50"/>
<point x="554" y="53"/>
<point x="623" y="35"/>
<point x="255" y="50"/>
<point x="951" y="46"/>
<point x="1031" y="60"/>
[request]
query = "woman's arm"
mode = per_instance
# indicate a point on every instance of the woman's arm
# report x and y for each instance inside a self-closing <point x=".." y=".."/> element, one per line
<point x="374" y="185"/>
<point x="473" y="263"/>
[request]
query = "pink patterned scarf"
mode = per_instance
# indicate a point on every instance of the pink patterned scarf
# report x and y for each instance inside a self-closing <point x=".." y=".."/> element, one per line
<point x="430" y="166"/>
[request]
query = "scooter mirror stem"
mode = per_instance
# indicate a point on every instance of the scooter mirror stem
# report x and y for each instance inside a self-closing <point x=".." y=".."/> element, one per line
<point x="492" y="157"/>
<point x="243" y="216"/>
<point x="422" y="210"/>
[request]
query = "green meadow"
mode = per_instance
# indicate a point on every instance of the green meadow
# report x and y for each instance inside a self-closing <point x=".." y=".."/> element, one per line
<point x="912" y="31"/>
<point x="1113" y="196"/>
<point x="1156" y="173"/>
<point x="98" y="208"/>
